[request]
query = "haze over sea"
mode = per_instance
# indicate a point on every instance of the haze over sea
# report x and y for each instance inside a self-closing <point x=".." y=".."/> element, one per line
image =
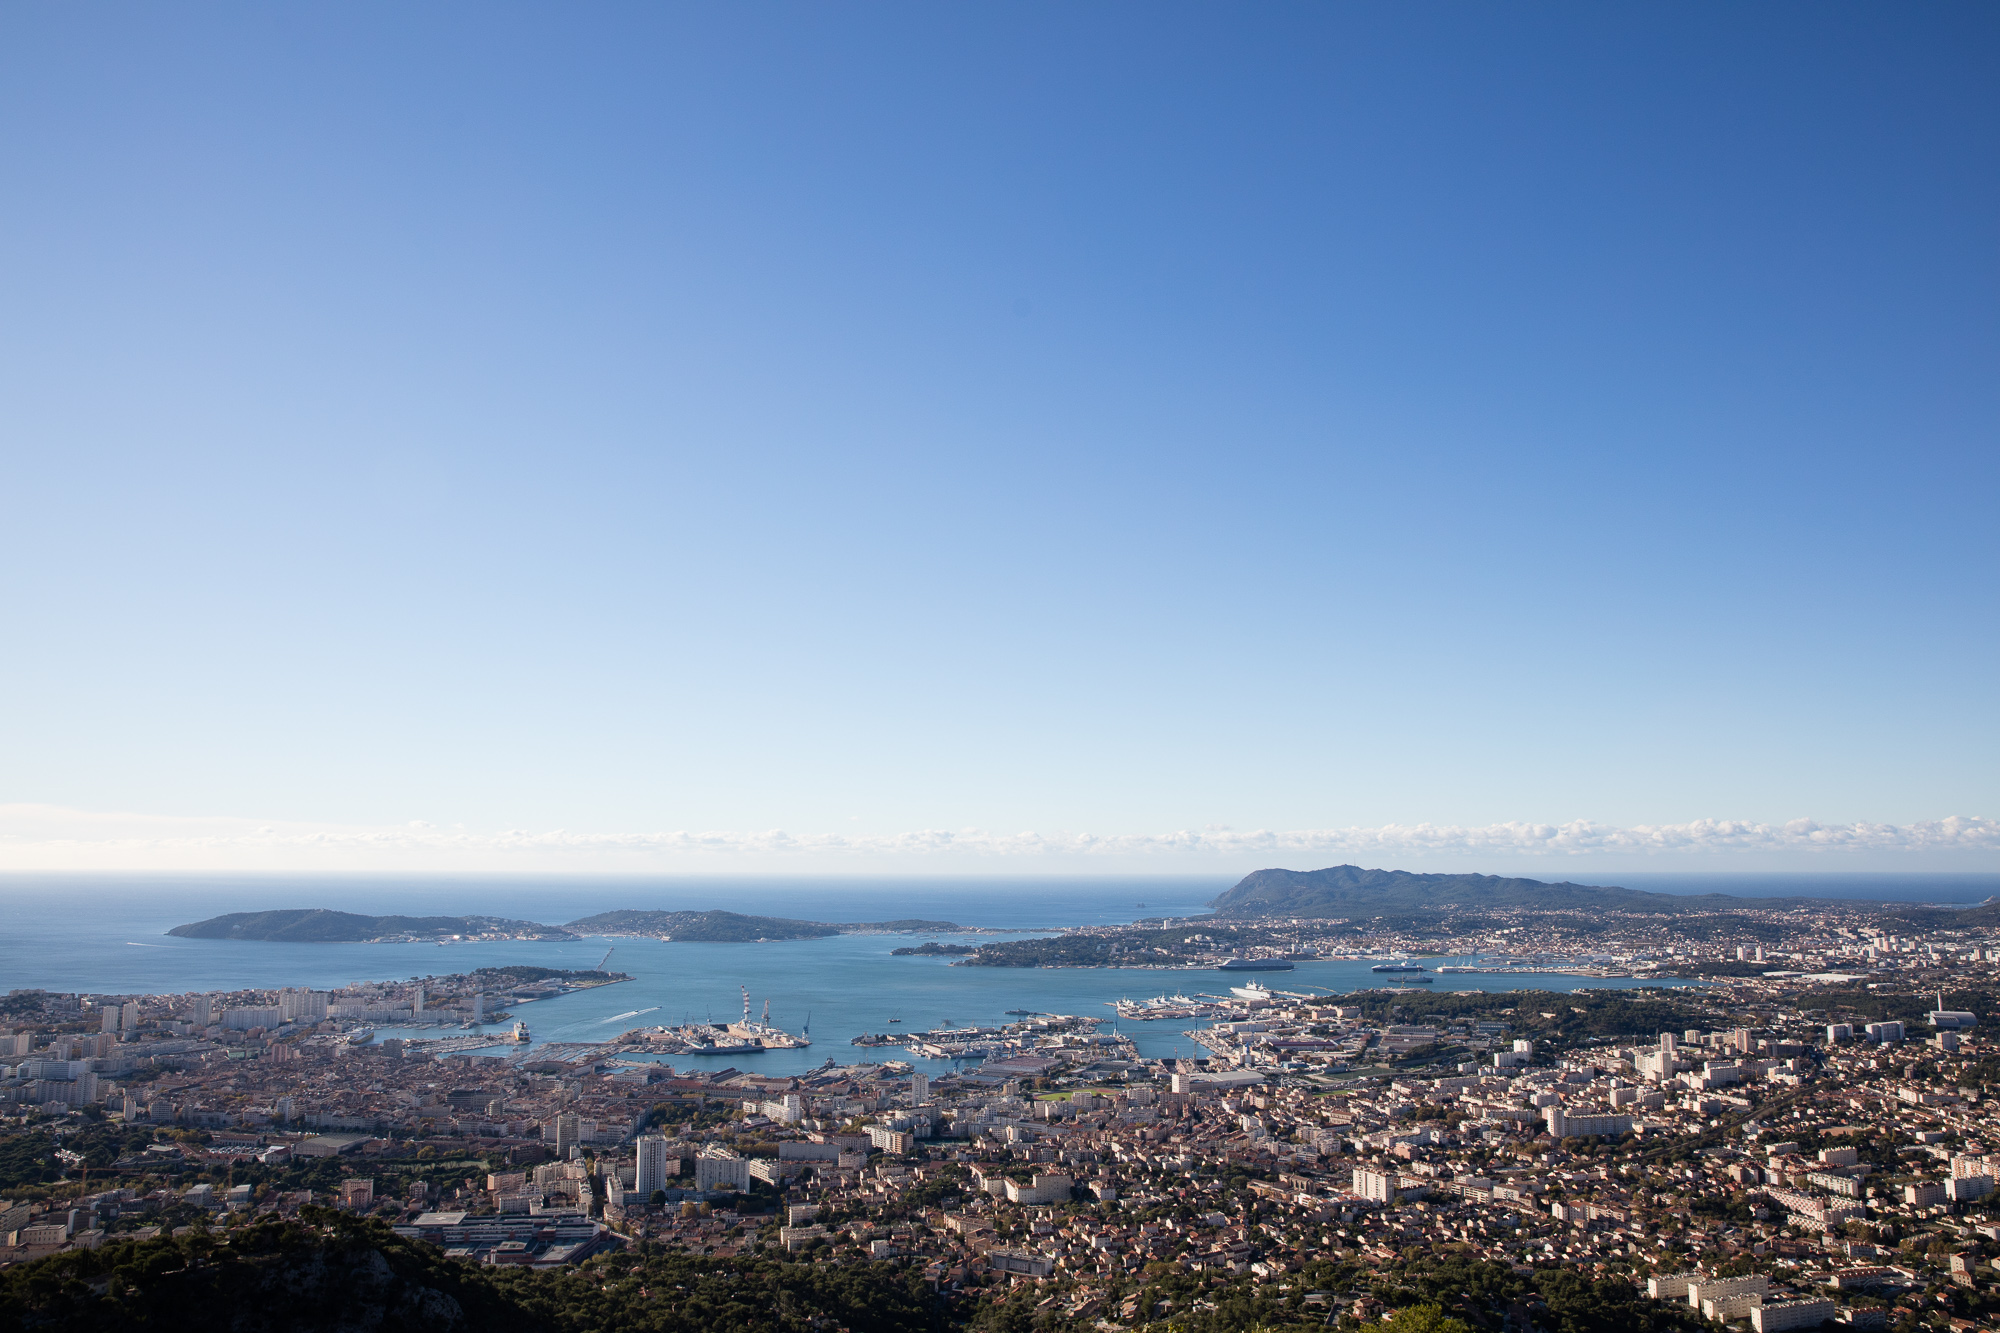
<point x="107" y="934"/>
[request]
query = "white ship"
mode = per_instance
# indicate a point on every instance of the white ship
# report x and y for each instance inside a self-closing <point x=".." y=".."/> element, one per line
<point x="1256" y="990"/>
<point x="520" y="1034"/>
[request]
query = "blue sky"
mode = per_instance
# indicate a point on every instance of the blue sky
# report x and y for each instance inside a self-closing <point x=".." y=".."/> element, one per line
<point x="1147" y="422"/>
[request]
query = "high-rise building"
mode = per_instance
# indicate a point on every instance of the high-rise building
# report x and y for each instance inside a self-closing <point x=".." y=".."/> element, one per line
<point x="652" y="1167"/>
<point x="128" y="1016"/>
<point x="1564" y="1125"/>
<point x="303" y="1006"/>
<point x="110" y="1014"/>
<point x="201" y="1011"/>
<point x="478" y="1006"/>
<point x="1376" y="1185"/>
<point x="920" y="1089"/>
<point x="720" y="1169"/>
<point x="564" y="1131"/>
<point x="417" y="1002"/>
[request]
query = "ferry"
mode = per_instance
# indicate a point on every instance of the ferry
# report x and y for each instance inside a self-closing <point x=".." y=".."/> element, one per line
<point x="1253" y="991"/>
<point x="1399" y="965"/>
<point x="361" y="1037"/>
<point x="520" y="1034"/>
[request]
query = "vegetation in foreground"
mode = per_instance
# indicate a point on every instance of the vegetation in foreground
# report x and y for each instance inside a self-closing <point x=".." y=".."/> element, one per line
<point x="331" y="1271"/>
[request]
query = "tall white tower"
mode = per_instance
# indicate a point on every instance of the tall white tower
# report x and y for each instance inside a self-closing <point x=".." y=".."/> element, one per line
<point x="651" y="1173"/>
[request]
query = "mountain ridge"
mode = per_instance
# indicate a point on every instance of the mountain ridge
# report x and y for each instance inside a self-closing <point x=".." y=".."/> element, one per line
<point x="1345" y="890"/>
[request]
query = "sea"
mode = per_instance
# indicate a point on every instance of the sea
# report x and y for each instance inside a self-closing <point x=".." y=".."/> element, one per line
<point x="106" y="934"/>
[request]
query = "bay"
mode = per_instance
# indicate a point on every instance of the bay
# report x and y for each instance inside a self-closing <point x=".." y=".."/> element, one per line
<point x="107" y="934"/>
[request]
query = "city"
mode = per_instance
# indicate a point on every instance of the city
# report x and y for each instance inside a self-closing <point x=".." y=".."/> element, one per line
<point x="1773" y="1149"/>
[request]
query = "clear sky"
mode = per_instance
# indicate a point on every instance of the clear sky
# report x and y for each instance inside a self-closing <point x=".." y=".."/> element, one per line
<point x="1153" y="427"/>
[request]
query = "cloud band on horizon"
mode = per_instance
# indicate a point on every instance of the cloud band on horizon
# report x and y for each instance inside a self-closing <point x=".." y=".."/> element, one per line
<point x="43" y="837"/>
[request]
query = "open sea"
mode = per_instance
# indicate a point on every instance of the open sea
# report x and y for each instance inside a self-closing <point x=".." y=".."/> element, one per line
<point x="102" y="933"/>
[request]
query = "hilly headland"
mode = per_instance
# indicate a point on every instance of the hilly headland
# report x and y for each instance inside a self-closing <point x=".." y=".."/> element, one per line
<point x="1328" y="913"/>
<point x="737" y="928"/>
<point x="319" y="925"/>
<point x="325" y="926"/>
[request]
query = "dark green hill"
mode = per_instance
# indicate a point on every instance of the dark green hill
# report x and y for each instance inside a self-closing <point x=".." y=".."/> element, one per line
<point x="339" y="1274"/>
<point x="1919" y="916"/>
<point x="1353" y="891"/>
<point x="274" y="1278"/>
<point x="735" y="927"/>
<point x="318" y="925"/>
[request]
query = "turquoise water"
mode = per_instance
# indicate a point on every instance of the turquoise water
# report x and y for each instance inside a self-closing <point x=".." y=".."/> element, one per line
<point x="850" y="984"/>
<point x="107" y="934"/>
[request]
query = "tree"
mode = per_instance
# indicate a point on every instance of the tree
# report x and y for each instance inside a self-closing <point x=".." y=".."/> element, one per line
<point x="1425" y="1318"/>
<point x="656" y="1198"/>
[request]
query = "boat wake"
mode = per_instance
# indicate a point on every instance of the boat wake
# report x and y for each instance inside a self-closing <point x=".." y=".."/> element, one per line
<point x="616" y="1018"/>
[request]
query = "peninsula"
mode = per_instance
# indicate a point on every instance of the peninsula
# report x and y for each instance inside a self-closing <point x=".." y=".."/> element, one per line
<point x="321" y="926"/>
<point x="1353" y="891"/>
<point x="737" y="928"/>
<point x="318" y="925"/>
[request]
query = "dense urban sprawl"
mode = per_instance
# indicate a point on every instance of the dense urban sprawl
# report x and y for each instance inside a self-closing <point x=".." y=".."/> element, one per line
<point x="1812" y="1140"/>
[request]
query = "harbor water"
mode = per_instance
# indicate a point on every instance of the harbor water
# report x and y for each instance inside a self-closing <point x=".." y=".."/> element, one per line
<point x="109" y="936"/>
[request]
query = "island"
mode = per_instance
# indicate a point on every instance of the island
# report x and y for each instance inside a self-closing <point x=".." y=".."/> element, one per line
<point x="320" y="925"/>
<point x="932" y="949"/>
<point x="737" y="928"/>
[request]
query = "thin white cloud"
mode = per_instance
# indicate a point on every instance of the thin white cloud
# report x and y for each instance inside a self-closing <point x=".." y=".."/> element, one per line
<point x="42" y="837"/>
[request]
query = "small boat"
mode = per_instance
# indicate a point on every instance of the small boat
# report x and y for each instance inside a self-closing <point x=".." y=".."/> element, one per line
<point x="897" y="1019"/>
